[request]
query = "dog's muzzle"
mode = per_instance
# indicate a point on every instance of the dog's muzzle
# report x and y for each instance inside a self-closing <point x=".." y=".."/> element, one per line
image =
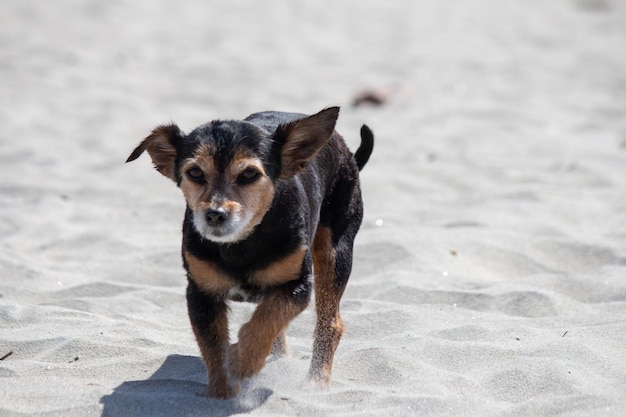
<point x="220" y="224"/>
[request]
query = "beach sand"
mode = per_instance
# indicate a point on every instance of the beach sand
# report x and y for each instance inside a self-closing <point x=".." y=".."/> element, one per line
<point x="490" y="271"/>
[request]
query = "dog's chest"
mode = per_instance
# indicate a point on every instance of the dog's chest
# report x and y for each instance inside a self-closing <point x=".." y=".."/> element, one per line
<point x="280" y="271"/>
<point x="241" y="283"/>
<point x="245" y="293"/>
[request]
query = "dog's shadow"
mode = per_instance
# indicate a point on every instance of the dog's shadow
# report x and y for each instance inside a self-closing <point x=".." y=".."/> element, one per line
<point x="175" y="390"/>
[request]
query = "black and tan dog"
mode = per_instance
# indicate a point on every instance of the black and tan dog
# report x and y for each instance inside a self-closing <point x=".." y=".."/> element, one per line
<point x="271" y="201"/>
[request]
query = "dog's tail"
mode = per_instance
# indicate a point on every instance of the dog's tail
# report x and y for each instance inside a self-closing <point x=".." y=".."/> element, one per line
<point x="362" y="155"/>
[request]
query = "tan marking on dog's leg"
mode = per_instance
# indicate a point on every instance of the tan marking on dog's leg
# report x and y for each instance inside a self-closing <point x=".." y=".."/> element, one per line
<point x="214" y="357"/>
<point x="329" y="326"/>
<point x="279" y="347"/>
<point x="271" y="317"/>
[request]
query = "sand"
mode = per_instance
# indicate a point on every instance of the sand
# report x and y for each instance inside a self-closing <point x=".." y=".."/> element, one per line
<point x="490" y="272"/>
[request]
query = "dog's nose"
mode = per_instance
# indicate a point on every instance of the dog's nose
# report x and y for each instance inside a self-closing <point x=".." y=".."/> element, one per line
<point x="216" y="216"/>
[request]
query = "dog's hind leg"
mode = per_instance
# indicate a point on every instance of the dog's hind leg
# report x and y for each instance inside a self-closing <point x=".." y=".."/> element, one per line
<point x="332" y="265"/>
<point x="332" y="260"/>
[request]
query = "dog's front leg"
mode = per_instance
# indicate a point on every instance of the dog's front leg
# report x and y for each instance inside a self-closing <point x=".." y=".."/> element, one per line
<point x="209" y="320"/>
<point x="271" y="317"/>
<point x="279" y="347"/>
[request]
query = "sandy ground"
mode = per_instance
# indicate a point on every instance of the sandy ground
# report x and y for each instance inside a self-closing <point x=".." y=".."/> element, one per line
<point x="490" y="272"/>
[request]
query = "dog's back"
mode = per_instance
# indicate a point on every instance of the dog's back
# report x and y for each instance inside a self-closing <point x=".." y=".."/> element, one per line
<point x="270" y="120"/>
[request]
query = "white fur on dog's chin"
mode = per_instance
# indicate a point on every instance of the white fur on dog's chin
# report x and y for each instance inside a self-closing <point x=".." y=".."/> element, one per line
<point x="237" y="228"/>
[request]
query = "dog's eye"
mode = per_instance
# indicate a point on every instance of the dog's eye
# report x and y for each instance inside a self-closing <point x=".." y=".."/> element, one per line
<point x="248" y="175"/>
<point x="195" y="174"/>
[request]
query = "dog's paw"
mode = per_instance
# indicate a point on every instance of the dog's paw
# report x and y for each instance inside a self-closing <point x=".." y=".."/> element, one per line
<point x="223" y="391"/>
<point x="320" y="378"/>
<point x="244" y="363"/>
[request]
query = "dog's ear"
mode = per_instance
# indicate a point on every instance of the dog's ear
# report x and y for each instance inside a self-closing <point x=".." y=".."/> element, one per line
<point x="162" y="148"/>
<point x="300" y="140"/>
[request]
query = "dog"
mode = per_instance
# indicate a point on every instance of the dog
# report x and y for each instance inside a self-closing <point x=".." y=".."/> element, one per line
<point x="273" y="207"/>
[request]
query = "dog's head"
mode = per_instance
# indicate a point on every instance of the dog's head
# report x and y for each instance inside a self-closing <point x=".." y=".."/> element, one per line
<point x="227" y="170"/>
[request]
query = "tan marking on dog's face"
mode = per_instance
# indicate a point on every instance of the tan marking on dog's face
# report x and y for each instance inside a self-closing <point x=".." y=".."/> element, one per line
<point x="207" y="276"/>
<point x="196" y="194"/>
<point x="282" y="271"/>
<point x="256" y="197"/>
<point x="245" y="203"/>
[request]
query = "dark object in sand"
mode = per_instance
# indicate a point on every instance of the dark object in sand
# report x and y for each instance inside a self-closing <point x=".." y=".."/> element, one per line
<point x="373" y="97"/>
